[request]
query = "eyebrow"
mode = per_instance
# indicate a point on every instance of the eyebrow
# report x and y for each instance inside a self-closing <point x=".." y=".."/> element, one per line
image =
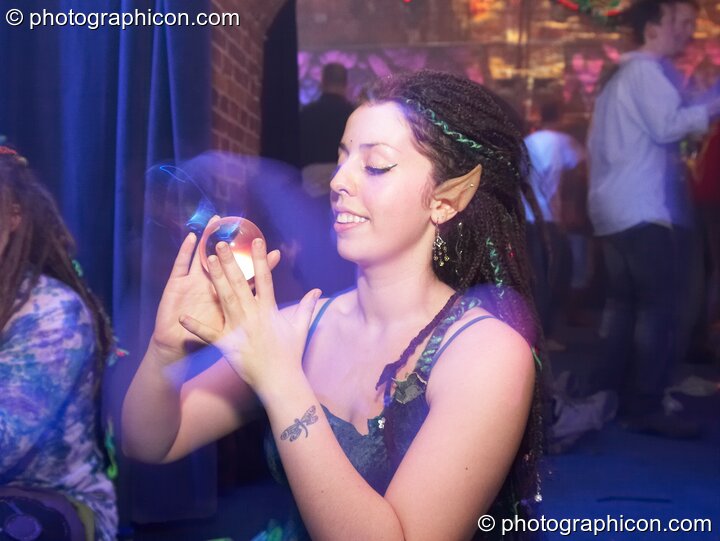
<point x="368" y="146"/>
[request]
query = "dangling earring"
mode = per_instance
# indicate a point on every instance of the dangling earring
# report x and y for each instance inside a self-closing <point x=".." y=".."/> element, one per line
<point x="440" y="254"/>
<point x="458" y="248"/>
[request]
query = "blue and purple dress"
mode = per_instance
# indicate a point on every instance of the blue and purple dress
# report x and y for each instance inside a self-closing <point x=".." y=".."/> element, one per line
<point x="48" y="436"/>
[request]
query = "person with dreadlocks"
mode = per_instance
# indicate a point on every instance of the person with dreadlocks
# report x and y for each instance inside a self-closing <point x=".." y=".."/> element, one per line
<point x="54" y="341"/>
<point x="427" y="203"/>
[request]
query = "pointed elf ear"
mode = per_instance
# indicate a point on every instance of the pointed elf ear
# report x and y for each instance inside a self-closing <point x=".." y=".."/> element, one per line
<point x="455" y="194"/>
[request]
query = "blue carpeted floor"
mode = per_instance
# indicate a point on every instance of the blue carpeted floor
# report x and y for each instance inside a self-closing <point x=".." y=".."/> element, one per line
<point x="632" y="476"/>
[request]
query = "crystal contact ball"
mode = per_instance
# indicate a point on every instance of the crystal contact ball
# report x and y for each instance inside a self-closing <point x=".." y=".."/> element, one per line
<point x="238" y="233"/>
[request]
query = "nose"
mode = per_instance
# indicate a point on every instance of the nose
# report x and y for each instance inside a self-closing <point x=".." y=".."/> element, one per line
<point x="341" y="181"/>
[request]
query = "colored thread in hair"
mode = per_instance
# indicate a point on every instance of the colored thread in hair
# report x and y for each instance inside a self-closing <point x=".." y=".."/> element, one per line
<point x="459" y="137"/>
<point x="495" y="264"/>
<point x="391" y="370"/>
<point x="111" y="450"/>
<point x="536" y="358"/>
<point x="77" y="267"/>
<point x="115" y="356"/>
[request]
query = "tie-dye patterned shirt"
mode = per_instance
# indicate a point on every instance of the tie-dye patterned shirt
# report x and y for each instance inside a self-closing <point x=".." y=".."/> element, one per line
<point x="47" y="410"/>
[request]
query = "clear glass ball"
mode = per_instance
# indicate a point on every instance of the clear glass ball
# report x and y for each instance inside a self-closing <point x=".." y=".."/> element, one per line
<point x="238" y="233"/>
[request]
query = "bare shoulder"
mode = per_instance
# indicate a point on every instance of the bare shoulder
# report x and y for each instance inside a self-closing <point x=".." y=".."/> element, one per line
<point x="481" y="356"/>
<point x="480" y="392"/>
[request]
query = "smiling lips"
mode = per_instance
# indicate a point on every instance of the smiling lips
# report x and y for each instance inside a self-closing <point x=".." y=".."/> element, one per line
<point x="348" y="218"/>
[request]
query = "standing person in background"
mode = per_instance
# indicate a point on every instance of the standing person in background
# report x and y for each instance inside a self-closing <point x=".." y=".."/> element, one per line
<point x="553" y="153"/>
<point x="322" y="122"/>
<point x="633" y="204"/>
<point x="321" y="126"/>
<point x="54" y="344"/>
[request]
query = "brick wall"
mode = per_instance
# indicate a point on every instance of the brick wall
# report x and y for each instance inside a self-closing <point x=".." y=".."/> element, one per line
<point x="237" y="64"/>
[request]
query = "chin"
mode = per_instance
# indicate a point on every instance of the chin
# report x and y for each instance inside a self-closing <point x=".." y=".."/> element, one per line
<point x="351" y="254"/>
<point x="355" y="252"/>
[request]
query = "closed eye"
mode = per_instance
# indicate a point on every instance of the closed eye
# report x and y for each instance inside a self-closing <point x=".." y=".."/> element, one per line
<point x="379" y="170"/>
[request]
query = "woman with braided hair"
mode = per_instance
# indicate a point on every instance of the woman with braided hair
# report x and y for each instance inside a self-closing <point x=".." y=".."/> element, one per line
<point x="427" y="204"/>
<point x="54" y="342"/>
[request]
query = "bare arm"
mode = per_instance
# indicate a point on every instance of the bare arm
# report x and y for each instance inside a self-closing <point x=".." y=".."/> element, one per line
<point x="479" y="396"/>
<point x="479" y="399"/>
<point x="478" y="413"/>
<point x="164" y="418"/>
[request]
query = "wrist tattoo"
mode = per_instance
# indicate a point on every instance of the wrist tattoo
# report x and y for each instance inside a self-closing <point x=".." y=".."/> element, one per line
<point x="294" y="430"/>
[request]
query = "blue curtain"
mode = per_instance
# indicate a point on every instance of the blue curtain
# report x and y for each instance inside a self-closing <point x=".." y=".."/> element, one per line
<point x="93" y="110"/>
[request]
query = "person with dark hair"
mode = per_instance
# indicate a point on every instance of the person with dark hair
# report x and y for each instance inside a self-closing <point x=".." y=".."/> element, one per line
<point x="54" y="344"/>
<point x="334" y="78"/>
<point x="322" y="121"/>
<point x="644" y="12"/>
<point x="633" y="201"/>
<point x="410" y="404"/>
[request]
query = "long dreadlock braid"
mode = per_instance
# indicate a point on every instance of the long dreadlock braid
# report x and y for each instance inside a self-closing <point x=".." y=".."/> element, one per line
<point x="457" y="124"/>
<point x="40" y="244"/>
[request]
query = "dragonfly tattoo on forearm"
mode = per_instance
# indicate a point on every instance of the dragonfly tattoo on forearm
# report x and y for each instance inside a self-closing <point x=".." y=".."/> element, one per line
<point x="294" y="430"/>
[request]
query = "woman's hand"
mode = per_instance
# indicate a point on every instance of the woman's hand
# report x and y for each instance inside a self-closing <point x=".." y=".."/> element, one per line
<point x="188" y="292"/>
<point x="262" y="344"/>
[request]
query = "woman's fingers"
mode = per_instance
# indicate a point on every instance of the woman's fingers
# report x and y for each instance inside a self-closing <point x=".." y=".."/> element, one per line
<point x="196" y="266"/>
<point x="264" y="288"/>
<point x="233" y="273"/>
<point x="273" y="259"/>
<point x="184" y="257"/>
<point x="226" y="293"/>
<point x="305" y="308"/>
<point x="204" y="332"/>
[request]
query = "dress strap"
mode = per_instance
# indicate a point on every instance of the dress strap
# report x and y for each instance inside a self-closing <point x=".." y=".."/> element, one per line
<point x="427" y="357"/>
<point x="433" y="352"/>
<point x="453" y="337"/>
<point x="315" y="322"/>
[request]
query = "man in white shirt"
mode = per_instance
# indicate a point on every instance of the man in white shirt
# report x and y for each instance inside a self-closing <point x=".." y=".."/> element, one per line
<point x="552" y="154"/>
<point x="633" y="202"/>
